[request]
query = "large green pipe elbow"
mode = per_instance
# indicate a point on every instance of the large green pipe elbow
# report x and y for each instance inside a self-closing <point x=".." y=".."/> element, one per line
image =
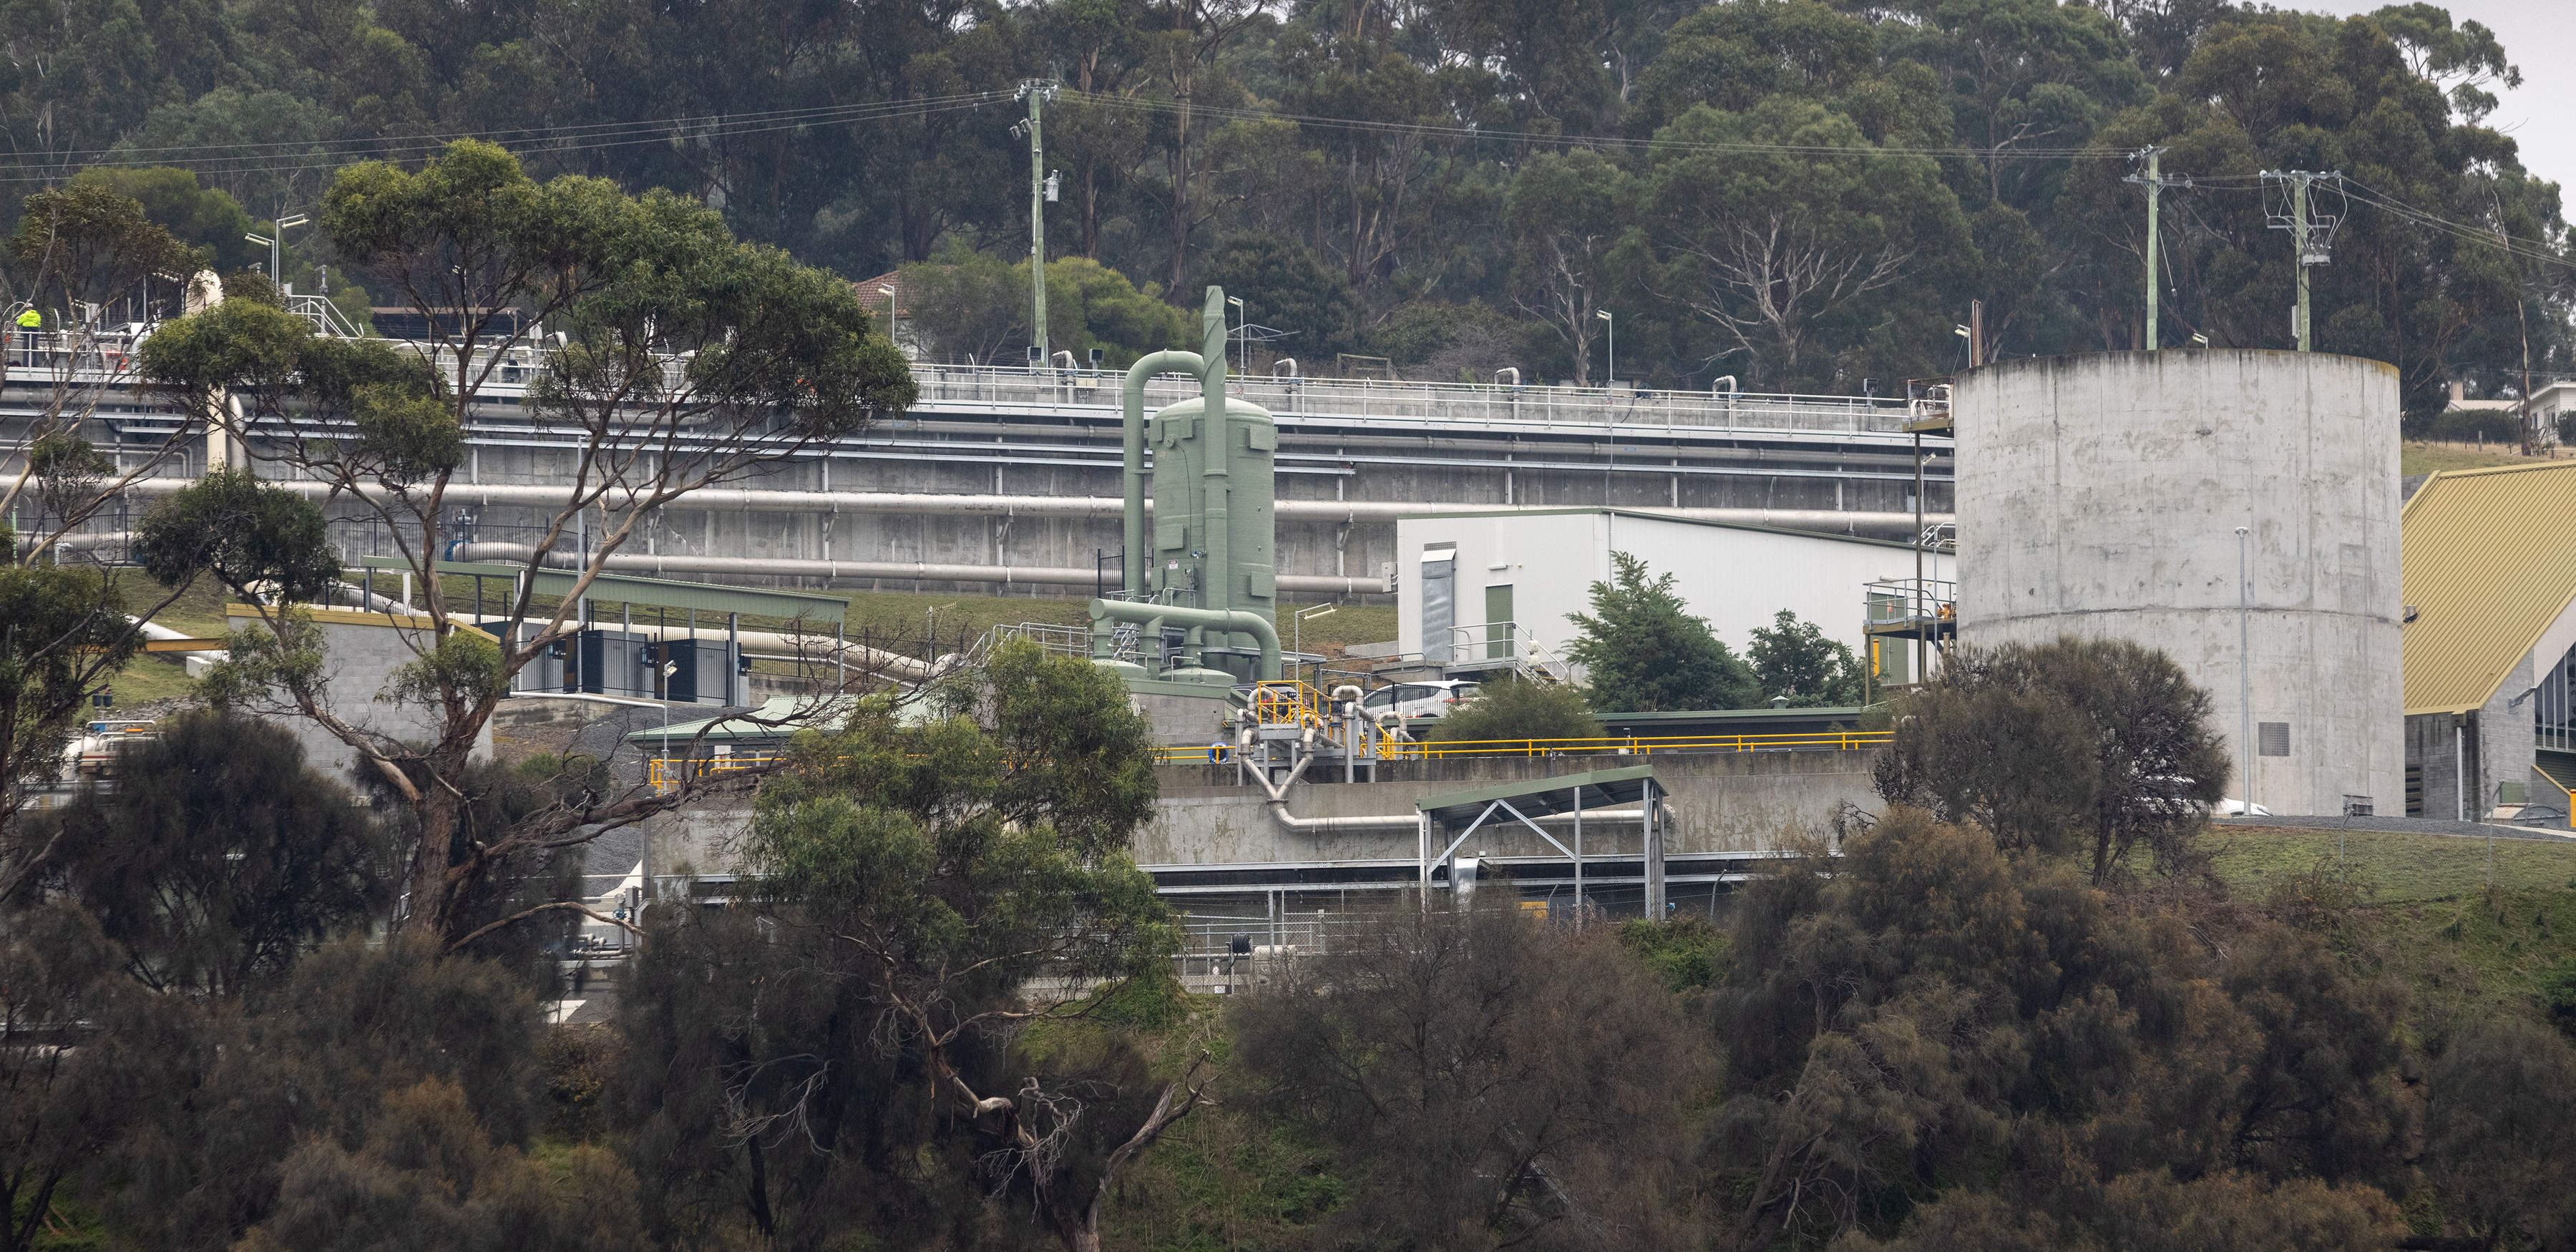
<point x="1239" y="621"/>
<point x="1132" y="563"/>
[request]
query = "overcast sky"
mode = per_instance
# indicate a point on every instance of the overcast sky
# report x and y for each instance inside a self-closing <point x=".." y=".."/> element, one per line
<point x="2539" y="37"/>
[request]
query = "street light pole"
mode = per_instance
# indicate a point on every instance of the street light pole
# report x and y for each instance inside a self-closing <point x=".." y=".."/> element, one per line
<point x="273" y="241"/>
<point x="1297" y="625"/>
<point x="2245" y="659"/>
<point x="1604" y="315"/>
<point x="1242" y="338"/>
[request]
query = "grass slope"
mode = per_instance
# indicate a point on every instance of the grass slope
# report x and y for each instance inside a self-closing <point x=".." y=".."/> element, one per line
<point x="901" y="620"/>
<point x="2425" y="458"/>
<point x="2419" y="909"/>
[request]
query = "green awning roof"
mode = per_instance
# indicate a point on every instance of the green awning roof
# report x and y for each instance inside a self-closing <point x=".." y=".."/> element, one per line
<point x="738" y="727"/>
<point x="1600" y="789"/>
<point x="657" y="592"/>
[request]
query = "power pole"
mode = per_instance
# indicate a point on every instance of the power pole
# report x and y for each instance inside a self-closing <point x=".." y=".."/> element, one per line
<point x="1036" y="91"/>
<point x="2299" y="239"/>
<point x="2155" y="182"/>
<point x="2311" y="235"/>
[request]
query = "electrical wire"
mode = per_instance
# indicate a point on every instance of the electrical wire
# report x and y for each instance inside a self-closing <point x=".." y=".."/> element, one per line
<point x="2529" y="250"/>
<point x="1449" y="131"/>
<point x="330" y="154"/>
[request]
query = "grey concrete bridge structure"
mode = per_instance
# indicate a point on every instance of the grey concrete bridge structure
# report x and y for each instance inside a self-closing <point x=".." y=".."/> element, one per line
<point x="1007" y="479"/>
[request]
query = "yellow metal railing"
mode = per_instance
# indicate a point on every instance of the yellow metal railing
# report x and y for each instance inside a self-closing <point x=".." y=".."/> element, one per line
<point x="1287" y="702"/>
<point x="665" y="772"/>
<point x="1633" y="745"/>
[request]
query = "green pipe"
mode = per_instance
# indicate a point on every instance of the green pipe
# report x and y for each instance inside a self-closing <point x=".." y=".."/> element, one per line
<point x="1236" y="621"/>
<point x="1152" y="363"/>
<point x="1218" y="592"/>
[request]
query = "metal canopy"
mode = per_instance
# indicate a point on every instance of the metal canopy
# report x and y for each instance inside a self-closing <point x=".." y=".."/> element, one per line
<point x="1527" y="803"/>
<point x="1600" y="788"/>
<point x="655" y="592"/>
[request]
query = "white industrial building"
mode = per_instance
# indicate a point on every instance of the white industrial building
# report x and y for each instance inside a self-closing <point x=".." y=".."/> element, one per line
<point x="1484" y="585"/>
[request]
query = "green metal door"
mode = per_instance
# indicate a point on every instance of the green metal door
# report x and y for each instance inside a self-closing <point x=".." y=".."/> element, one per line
<point x="1498" y="623"/>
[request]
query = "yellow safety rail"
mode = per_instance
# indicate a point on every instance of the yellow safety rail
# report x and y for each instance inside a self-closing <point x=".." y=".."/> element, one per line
<point x="1287" y="702"/>
<point x="666" y="772"/>
<point x="1633" y="745"/>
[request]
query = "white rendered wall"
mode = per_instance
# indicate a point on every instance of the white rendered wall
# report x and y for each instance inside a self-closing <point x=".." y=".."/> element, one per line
<point x="1736" y="577"/>
<point x="2100" y="495"/>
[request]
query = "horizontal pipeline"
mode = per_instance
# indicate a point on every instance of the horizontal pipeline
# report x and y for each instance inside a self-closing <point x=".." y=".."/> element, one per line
<point x="1006" y="575"/>
<point x="727" y="499"/>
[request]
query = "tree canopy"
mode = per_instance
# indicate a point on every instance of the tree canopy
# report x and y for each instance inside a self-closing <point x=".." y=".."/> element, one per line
<point x="1804" y="194"/>
<point x="1643" y="651"/>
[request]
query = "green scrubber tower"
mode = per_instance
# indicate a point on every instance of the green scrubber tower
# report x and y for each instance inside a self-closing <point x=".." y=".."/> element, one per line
<point x="1206" y="565"/>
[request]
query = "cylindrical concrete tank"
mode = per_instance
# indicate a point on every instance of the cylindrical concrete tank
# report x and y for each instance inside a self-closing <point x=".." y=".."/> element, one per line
<point x="1241" y="571"/>
<point x="2100" y="496"/>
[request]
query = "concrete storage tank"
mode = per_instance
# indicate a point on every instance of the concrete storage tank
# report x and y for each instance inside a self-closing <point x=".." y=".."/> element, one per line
<point x="2100" y="496"/>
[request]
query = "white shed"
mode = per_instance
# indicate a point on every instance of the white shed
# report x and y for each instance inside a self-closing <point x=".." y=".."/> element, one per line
<point x="1465" y="573"/>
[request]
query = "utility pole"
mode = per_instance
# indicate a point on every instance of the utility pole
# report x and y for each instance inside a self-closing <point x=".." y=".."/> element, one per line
<point x="2299" y="239"/>
<point x="2311" y="235"/>
<point x="2155" y="182"/>
<point x="1036" y="91"/>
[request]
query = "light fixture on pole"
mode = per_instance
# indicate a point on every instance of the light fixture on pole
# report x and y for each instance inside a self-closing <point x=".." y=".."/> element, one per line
<point x="1604" y="315"/>
<point x="1243" y="347"/>
<point x="283" y="225"/>
<point x="1297" y="624"/>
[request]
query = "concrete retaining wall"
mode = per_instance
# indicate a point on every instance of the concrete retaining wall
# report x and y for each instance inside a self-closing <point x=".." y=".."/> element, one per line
<point x="1733" y="801"/>
<point x="1729" y="801"/>
<point x="362" y="650"/>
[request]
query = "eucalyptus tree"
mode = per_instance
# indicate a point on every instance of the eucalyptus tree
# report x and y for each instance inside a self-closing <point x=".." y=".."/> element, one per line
<point x="64" y="628"/>
<point x="1791" y="231"/>
<point x="929" y="888"/>
<point x="1569" y="217"/>
<point x="675" y="358"/>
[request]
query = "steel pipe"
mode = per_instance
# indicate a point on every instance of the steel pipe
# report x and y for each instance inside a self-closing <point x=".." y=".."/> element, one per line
<point x="1132" y="432"/>
<point x="729" y="499"/>
<point x="1236" y="621"/>
<point x="784" y="567"/>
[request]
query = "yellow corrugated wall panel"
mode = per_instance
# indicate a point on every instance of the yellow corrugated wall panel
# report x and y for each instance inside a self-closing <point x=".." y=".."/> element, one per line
<point x="2489" y="561"/>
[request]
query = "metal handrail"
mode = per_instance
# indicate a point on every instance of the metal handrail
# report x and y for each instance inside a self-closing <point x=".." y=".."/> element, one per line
<point x="1636" y="745"/>
<point x="1288" y="702"/>
<point x="1911" y="600"/>
<point x="665" y="771"/>
<point x="1433" y="401"/>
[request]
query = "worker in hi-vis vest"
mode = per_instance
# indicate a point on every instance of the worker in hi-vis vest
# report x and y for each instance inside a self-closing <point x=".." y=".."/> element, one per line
<point x="29" y="322"/>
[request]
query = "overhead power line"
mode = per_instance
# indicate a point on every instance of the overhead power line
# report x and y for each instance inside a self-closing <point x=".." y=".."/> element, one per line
<point x="1446" y="130"/>
<point x="290" y="157"/>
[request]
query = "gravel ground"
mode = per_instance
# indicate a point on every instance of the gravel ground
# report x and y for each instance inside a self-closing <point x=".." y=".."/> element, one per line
<point x="2403" y="825"/>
